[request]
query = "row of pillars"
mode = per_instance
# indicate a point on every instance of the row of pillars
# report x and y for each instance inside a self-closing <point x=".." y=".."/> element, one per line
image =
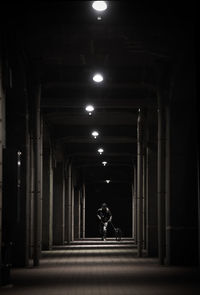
<point x="144" y="191"/>
<point x="63" y="213"/>
<point x="165" y="189"/>
<point x="50" y="206"/>
<point x="59" y="198"/>
<point x="43" y="199"/>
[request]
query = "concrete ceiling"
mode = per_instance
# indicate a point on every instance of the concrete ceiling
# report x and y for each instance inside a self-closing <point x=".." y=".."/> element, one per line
<point x="68" y="44"/>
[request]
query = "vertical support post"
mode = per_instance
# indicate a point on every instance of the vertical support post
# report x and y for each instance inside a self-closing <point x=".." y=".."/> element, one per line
<point x="58" y="205"/>
<point x="135" y="203"/>
<point x="69" y="204"/>
<point x="31" y="200"/>
<point x="83" y="211"/>
<point x="77" y="213"/>
<point x="139" y="184"/>
<point x="161" y="179"/>
<point x="47" y="214"/>
<point x="151" y="204"/>
<point x="144" y="199"/>
<point x="181" y="165"/>
<point x="133" y="210"/>
<point x="198" y="189"/>
<point x="72" y="211"/>
<point x="28" y="172"/>
<point x="37" y="178"/>
<point x="1" y="160"/>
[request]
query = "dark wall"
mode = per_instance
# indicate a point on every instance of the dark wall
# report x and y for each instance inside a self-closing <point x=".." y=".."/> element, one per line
<point x="118" y="197"/>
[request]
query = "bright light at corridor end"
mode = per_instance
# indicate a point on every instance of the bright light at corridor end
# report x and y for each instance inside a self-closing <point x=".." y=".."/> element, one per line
<point x="100" y="151"/>
<point x="99" y="5"/>
<point x="89" y="108"/>
<point x="107" y="180"/>
<point x="98" y="78"/>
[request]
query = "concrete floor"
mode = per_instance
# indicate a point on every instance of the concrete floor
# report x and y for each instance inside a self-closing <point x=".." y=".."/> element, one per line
<point x="101" y="268"/>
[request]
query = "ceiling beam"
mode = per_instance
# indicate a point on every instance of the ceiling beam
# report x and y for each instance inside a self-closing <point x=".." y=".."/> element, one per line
<point x="100" y="140"/>
<point x="106" y="155"/>
<point x="105" y="85"/>
<point x="132" y="103"/>
<point x="99" y="119"/>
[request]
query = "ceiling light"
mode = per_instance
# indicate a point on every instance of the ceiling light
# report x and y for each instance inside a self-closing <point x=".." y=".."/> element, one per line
<point x="100" y="151"/>
<point x="104" y="163"/>
<point x="95" y="134"/>
<point x="98" y="78"/>
<point x="99" y="5"/>
<point x="107" y="180"/>
<point x="89" y="109"/>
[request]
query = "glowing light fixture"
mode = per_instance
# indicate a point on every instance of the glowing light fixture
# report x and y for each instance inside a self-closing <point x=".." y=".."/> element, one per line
<point x="89" y="108"/>
<point x="95" y="134"/>
<point x="100" y="151"/>
<point x="107" y="180"/>
<point x="19" y="153"/>
<point x="99" y="5"/>
<point x="98" y="78"/>
<point x="104" y="163"/>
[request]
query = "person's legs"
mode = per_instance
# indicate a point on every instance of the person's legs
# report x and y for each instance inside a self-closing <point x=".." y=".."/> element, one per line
<point x="105" y="225"/>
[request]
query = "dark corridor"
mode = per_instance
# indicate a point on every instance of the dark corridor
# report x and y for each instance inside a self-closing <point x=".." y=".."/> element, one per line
<point x="98" y="104"/>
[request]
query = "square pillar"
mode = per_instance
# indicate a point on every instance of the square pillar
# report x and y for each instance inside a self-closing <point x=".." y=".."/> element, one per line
<point x="47" y="206"/>
<point x="151" y="203"/>
<point x="58" y="204"/>
<point x="68" y="204"/>
<point x="77" y="213"/>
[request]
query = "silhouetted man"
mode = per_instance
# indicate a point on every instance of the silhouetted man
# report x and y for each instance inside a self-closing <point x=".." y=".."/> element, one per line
<point x="105" y="217"/>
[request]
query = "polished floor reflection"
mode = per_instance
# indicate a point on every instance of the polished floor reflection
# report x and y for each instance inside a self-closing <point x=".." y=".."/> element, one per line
<point x="101" y="268"/>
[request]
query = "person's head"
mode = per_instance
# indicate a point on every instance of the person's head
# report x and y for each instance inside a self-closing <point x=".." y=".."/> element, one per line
<point x="104" y="205"/>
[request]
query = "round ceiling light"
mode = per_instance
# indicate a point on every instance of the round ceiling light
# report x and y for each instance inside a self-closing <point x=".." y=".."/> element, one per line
<point x="89" y="108"/>
<point x="100" y="151"/>
<point x="95" y="134"/>
<point x="99" y="5"/>
<point x="98" y="78"/>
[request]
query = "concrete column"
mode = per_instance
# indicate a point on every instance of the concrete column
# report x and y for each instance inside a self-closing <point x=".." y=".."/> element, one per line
<point x="151" y="204"/>
<point x="182" y="157"/>
<point x="37" y="176"/>
<point x="77" y="213"/>
<point x="27" y="192"/>
<point x="83" y="212"/>
<point x="16" y="168"/>
<point x="31" y="200"/>
<point x="139" y="184"/>
<point x="68" y="219"/>
<point x="1" y="159"/>
<point x="72" y="211"/>
<point x="135" y="203"/>
<point x="198" y="188"/>
<point x="133" y="209"/>
<point x="47" y="206"/>
<point x="58" y="204"/>
<point x="144" y="199"/>
<point x="161" y="175"/>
